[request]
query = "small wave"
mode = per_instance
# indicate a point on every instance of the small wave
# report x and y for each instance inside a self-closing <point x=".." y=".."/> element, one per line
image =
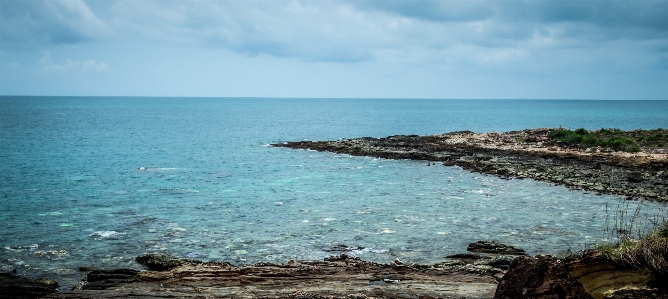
<point x="480" y="191"/>
<point x="105" y="234"/>
<point x="196" y="254"/>
<point x="178" y="190"/>
<point x="22" y="247"/>
<point x="371" y="250"/>
<point x="157" y="168"/>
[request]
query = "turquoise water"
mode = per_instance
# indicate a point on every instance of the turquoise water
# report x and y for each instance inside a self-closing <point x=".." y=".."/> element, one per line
<point x="97" y="181"/>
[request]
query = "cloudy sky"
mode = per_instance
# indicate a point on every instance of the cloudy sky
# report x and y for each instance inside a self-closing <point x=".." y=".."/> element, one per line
<point x="378" y="49"/>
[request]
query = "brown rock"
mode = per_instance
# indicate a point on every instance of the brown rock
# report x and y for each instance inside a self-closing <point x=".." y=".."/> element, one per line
<point x="494" y="247"/>
<point x="343" y="276"/>
<point x="539" y="277"/>
<point x="587" y="276"/>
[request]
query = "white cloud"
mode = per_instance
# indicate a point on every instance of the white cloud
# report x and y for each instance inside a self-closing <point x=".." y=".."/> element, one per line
<point x="95" y="66"/>
<point x="317" y="31"/>
<point x="28" y="25"/>
<point x="48" y="66"/>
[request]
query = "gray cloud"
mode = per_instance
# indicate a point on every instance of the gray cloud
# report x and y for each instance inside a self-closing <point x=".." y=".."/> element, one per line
<point x="346" y="31"/>
<point x="605" y="20"/>
<point x="316" y="32"/>
<point x="439" y="11"/>
<point x="26" y="25"/>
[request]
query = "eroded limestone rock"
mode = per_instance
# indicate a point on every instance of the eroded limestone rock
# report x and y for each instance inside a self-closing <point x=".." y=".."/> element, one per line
<point x="586" y="276"/>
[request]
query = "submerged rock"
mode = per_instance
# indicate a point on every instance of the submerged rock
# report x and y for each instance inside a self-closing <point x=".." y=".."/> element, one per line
<point x="343" y="248"/>
<point x="494" y="247"/>
<point x="161" y="262"/>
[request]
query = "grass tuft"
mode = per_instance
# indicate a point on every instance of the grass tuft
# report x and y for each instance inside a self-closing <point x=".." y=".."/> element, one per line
<point x="647" y="248"/>
<point x="649" y="252"/>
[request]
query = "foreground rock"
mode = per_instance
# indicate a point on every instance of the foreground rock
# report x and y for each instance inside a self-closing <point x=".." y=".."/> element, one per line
<point x="522" y="154"/>
<point x="340" y="276"/>
<point x="12" y="286"/>
<point x="587" y="276"/>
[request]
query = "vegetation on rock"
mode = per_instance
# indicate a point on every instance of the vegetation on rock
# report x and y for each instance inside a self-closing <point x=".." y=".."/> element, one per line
<point x="648" y="252"/>
<point x="618" y="140"/>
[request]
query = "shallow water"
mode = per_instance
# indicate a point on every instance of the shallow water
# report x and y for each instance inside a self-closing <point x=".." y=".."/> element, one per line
<point x="97" y="181"/>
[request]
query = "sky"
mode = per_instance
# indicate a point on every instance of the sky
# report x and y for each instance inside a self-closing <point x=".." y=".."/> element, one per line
<point x="336" y="49"/>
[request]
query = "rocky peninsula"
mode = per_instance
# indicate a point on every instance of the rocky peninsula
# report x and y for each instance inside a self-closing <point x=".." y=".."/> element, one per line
<point x="628" y="163"/>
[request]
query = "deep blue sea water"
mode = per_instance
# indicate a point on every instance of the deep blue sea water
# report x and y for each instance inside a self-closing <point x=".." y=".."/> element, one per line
<point x="96" y="181"/>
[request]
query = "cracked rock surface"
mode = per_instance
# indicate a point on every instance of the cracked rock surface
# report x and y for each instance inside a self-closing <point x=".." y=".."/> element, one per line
<point x="340" y="276"/>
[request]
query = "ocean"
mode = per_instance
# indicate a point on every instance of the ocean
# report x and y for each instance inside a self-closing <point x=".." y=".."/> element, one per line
<point x="97" y="181"/>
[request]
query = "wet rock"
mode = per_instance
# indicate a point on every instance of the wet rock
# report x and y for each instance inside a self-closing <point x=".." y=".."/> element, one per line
<point x="86" y="269"/>
<point x="12" y="286"/>
<point x="499" y="261"/>
<point x="161" y="262"/>
<point x="343" y="248"/>
<point x="465" y="256"/>
<point x="494" y="247"/>
<point x="635" y="177"/>
<point x="104" y="279"/>
<point x="47" y="281"/>
<point x="342" y="258"/>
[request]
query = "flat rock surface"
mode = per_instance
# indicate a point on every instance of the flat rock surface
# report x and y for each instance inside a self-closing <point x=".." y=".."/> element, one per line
<point x="335" y="277"/>
<point x="521" y="154"/>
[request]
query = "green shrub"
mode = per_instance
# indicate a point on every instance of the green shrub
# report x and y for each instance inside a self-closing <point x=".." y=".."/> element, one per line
<point x="634" y="149"/>
<point x="589" y="141"/>
<point x="609" y="138"/>
<point x="558" y="134"/>
<point x="605" y="131"/>
<point x="663" y="232"/>
<point x="581" y="131"/>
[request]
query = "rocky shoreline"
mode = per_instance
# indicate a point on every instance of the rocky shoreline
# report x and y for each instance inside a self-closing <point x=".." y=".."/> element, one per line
<point x="470" y="275"/>
<point x="521" y="154"/>
<point x="489" y="269"/>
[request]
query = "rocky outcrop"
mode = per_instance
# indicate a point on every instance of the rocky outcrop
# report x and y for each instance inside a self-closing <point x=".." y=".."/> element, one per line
<point x="630" y="174"/>
<point x="494" y="247"/>
<point x="342" y="276"/>
<point x="539" y="277"/>
<point x="161" y="262"/>
<point x="586" y="276"/>
<point x="12" y="286"/>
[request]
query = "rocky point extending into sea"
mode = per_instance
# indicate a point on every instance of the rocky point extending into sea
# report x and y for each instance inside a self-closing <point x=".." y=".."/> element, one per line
<point x="529" y="153"/>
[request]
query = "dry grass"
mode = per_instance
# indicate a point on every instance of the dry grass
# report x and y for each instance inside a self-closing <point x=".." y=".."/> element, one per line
<point x="644" y="249"/>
